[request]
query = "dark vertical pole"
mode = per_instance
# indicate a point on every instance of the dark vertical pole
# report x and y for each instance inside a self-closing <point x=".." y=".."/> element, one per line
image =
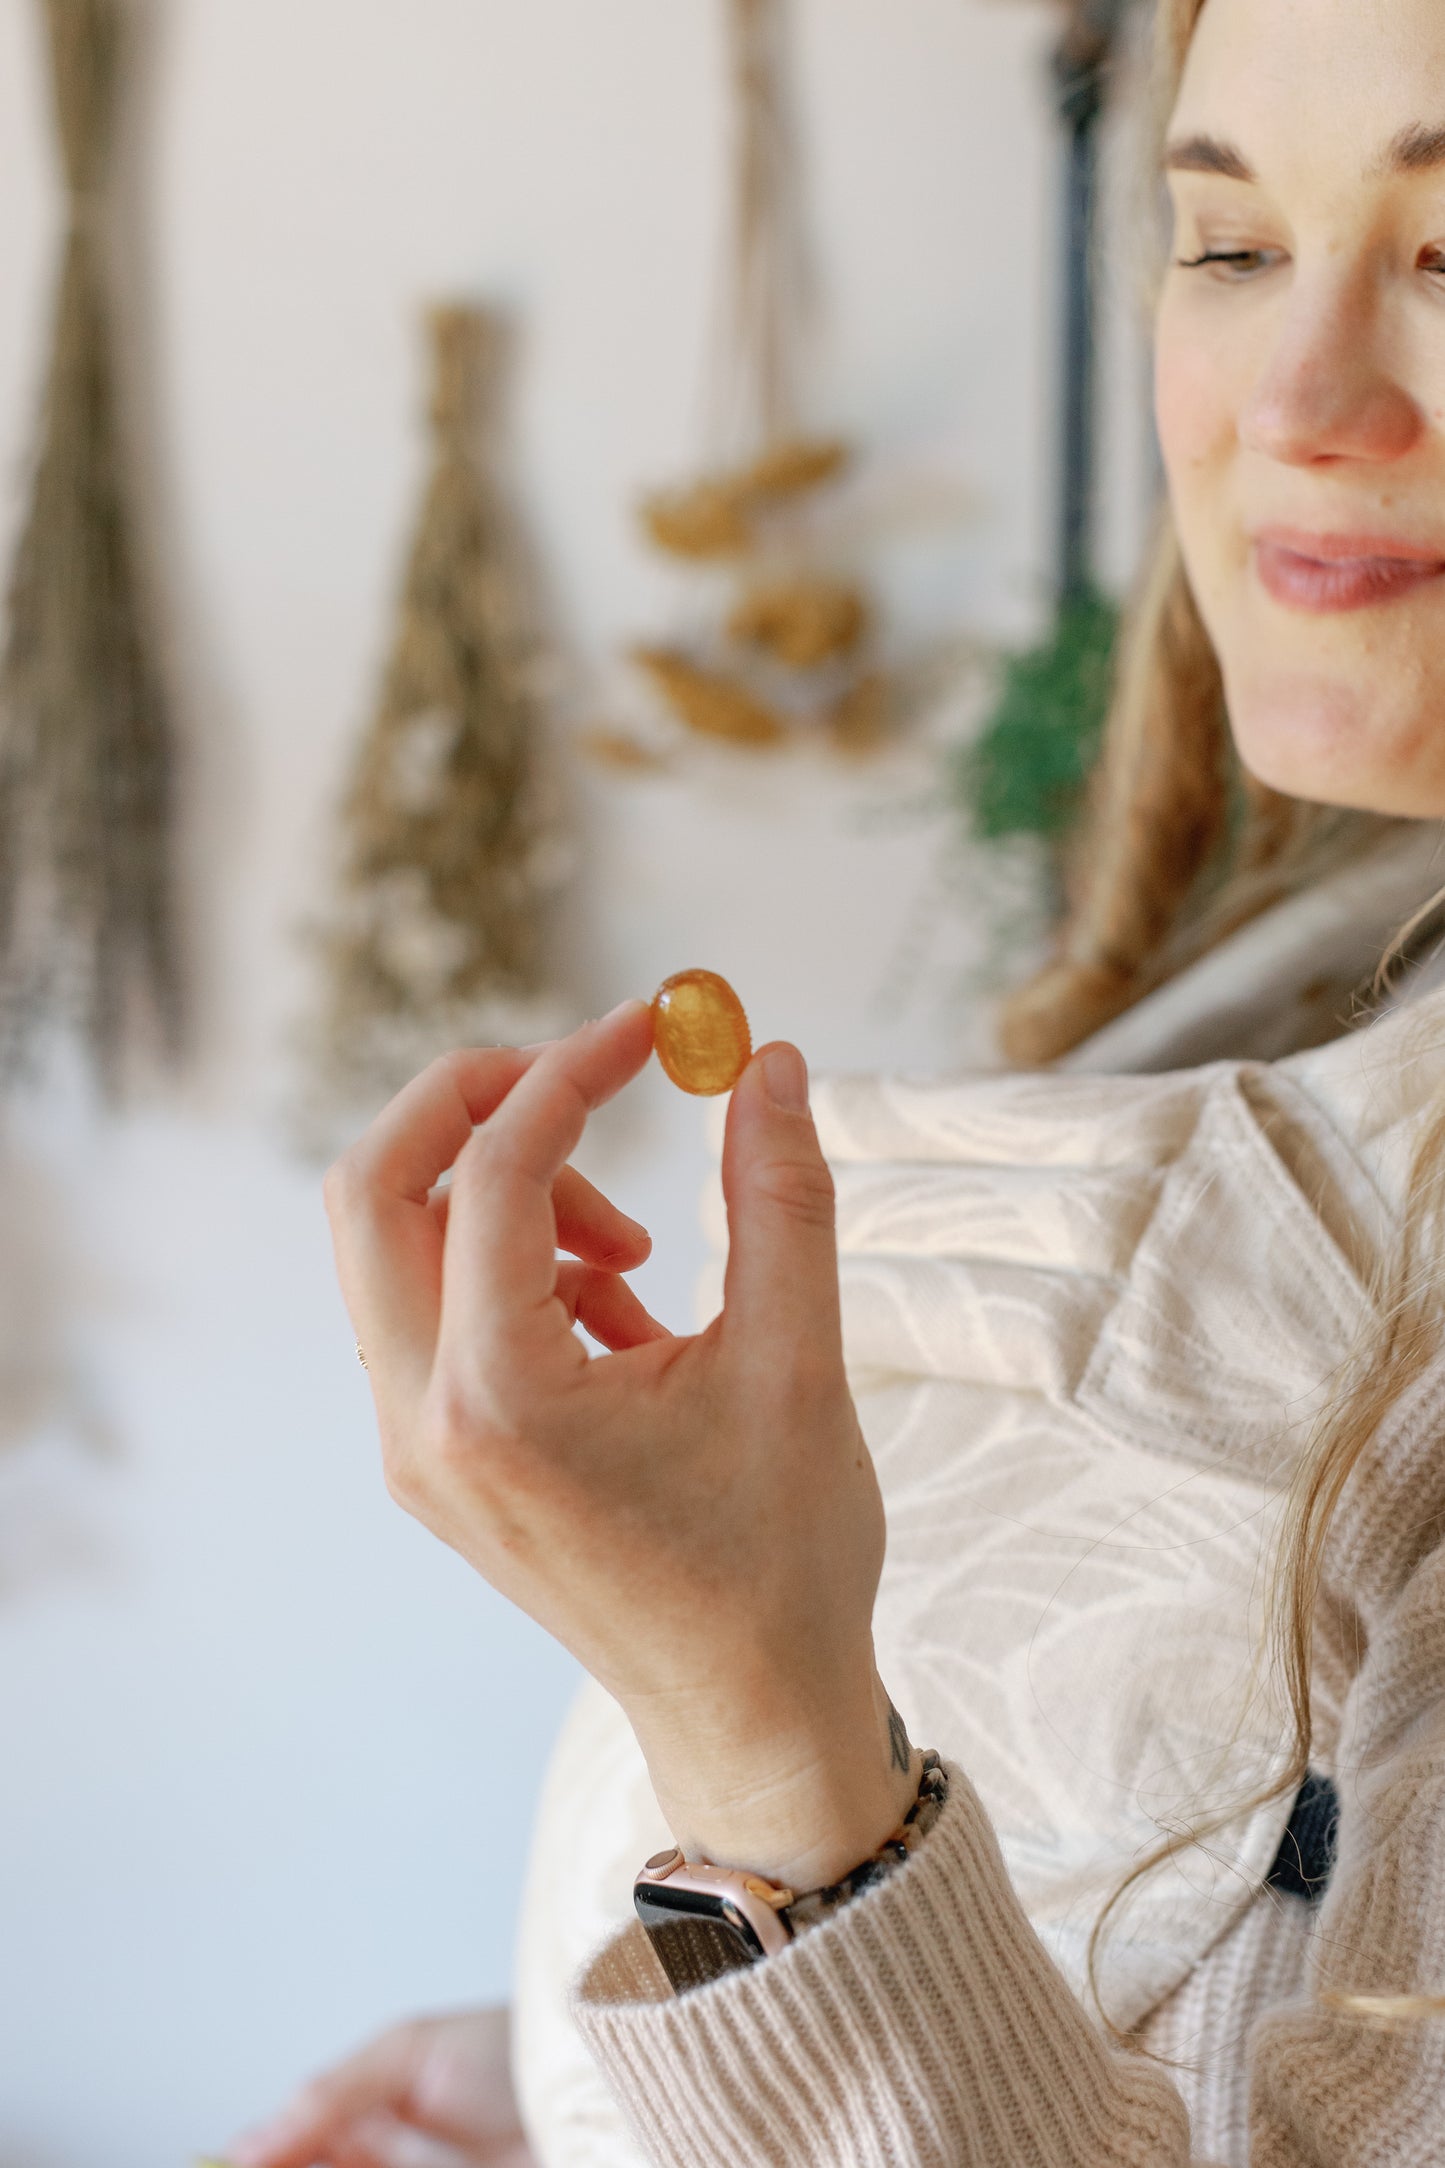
<point x="1079" y="102"/>
<point x="1080" y="70"/>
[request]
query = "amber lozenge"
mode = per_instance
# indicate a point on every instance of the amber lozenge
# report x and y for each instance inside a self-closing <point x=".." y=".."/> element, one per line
<point x="700" y="1032"/>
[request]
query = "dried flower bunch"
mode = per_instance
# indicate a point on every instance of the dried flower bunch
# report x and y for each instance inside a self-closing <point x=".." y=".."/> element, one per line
<point x="707" y="702"/>
<point x="801" y="622"/>
<point x="439" y="925"/>
<point x="723" y="515"/>
<point x="87" y="935"/>
<point x="793" y="648"/>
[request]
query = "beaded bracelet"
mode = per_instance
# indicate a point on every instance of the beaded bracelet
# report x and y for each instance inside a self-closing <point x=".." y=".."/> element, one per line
<point x="820" y="1904"/>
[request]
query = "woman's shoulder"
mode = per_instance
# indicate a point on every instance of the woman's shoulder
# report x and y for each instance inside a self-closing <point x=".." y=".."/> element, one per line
<point x="1179" y="1257"/>
<point x="1376" y="1090"/>
<point x="1364" y="1093"/>
<point x="1342" y="1115"/>
<point x="1294" y="976"/>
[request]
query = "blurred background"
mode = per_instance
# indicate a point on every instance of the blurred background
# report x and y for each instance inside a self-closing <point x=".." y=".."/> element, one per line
<point x="267" y="1753"/>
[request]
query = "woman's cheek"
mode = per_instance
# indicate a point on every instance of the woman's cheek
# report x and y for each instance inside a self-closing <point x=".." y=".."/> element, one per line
<point x="1190" y="412"/>
<point x="1197" y="435"/>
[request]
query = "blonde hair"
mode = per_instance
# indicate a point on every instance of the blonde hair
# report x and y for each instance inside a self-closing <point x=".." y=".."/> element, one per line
<point x="1181" y="846"/>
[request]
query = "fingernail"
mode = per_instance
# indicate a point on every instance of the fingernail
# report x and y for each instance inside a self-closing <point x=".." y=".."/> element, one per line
<point x="622" y="1009"/>
<point x="786" y="1075"/>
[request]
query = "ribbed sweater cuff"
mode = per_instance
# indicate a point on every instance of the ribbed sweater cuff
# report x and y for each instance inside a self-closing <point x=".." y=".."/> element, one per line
<point x="923" y="2025"/>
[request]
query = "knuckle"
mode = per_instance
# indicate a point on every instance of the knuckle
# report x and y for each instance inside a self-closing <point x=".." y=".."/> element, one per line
<point x="450" y="1418"/>
<point x="341" y="1186"/>
<point x="466" y="1425"/>
<point x="452" y="1068"/>
<point x="447" y="1064"/>
<point x="803" y="1189"/>
<point x="453" y="1449"/>
<point x="472" y="1444"/>
<point x="399" y="1486"/>
<point x="399" y="1474"/>
<point x="478" y="1160"/>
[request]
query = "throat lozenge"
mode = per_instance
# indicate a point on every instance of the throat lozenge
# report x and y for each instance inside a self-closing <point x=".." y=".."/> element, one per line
<point x="700" y="1032"/>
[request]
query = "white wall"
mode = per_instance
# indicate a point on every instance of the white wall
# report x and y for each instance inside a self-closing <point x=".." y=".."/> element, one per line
<point x="266" y="1753"/>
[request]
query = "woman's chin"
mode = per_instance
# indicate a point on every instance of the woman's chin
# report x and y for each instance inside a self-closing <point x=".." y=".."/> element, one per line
<point x="1323" y="740"/>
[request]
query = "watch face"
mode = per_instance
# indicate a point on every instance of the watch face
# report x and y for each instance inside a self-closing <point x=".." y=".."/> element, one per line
<point x="697" y="1937"/>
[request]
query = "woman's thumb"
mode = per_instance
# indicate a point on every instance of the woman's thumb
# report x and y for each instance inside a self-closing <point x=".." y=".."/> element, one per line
<point x="782" y="1275"/>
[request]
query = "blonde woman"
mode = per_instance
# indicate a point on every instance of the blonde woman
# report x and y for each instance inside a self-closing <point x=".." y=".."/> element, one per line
<point x="1112" y="1343"/>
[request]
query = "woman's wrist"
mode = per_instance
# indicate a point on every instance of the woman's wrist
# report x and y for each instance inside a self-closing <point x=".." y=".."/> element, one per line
<point x="805" y="1809"/>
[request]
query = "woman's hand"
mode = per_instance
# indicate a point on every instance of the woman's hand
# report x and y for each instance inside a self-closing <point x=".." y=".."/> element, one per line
<point x="436" y="2093"/>
<point x="696" y="1518"/>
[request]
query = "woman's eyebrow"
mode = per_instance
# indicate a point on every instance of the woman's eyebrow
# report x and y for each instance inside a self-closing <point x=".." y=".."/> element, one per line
<point x="1415" y="150"/>
<point x="1207" y="154"/>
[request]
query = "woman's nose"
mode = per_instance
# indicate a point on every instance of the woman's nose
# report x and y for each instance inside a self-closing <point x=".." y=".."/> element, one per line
<point x="1326" y="393"/>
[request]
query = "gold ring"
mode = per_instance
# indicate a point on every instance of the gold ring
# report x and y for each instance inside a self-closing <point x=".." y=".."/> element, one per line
<point x="361" y="1356"/>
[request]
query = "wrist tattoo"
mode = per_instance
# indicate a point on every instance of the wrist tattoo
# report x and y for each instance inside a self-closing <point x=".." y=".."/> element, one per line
<point x="900" y="1752"/>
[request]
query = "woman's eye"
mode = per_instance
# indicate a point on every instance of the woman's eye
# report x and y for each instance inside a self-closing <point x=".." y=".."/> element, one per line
<point x="1433" y="260"/>
<point x="1235" y="263"/>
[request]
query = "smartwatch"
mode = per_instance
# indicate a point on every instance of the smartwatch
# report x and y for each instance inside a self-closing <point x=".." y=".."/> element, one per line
<point x="704" y="1921"/>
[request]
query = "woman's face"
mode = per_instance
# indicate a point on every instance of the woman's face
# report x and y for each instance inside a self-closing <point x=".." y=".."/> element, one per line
<point x="1300" y="386"/>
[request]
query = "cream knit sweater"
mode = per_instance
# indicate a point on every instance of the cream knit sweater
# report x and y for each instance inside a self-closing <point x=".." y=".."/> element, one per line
<point x="1089" y="1321"/>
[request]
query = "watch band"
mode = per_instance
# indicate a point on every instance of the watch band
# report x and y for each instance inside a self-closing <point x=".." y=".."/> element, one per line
<point x="704" y="1921"/>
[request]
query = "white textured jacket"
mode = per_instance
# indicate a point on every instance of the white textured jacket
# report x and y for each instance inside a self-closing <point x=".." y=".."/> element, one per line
<point x="1090" y="1321"/>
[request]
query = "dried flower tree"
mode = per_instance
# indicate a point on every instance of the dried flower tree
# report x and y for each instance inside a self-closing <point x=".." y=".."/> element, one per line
<point x="87" y="935"/>
<point x="446" y="857"/>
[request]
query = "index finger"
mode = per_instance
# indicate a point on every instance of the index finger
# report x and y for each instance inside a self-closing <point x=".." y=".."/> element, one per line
<point x="501" y="1251"/>
<point x="420" y="1132"/>
<point x="388" y="1247"/>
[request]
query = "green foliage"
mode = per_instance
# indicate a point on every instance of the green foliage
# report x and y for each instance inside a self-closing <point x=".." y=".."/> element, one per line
<point x="1023" y="773"/>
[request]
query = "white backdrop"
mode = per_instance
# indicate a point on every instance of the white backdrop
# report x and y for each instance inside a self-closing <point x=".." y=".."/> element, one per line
<point x="267" y="1754"/>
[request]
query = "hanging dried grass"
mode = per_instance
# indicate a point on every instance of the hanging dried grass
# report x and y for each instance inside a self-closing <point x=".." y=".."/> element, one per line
<point x="444" y="877"/>
<point x="801" y="622"/>
<point x="708" y="703"/>
<point x="87" y="934"/>
<point x="766" y="301"/>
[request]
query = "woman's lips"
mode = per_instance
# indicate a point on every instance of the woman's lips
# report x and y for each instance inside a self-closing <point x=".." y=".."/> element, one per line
<point x="1323" y="574"/>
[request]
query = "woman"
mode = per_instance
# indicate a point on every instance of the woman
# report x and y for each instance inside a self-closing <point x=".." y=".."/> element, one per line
<point x="699" y="1519"/>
